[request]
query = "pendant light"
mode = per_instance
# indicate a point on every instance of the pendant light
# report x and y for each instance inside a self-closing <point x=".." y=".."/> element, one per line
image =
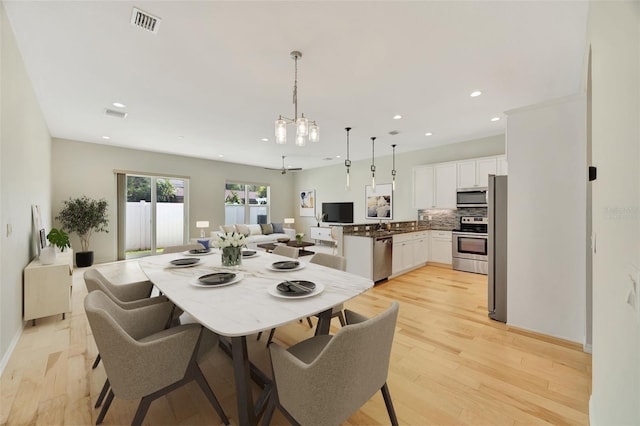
<point x="304" y="127"/>
<point x="393" y="170"/>
<point x="373" y="162"/>
<point x="347" y="162"/>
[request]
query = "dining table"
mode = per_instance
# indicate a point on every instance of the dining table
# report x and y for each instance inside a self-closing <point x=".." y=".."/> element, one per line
<point x="248" y="303"/>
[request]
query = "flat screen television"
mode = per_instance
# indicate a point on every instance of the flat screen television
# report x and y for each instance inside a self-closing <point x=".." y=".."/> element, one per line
<point x="337" y="212"/>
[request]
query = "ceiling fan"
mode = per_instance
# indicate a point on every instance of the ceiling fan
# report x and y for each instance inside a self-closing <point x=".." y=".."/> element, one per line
<point x="284" y="170"/>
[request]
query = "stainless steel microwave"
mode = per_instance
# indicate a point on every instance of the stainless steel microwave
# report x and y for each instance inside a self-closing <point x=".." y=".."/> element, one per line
<point x="472" y="197"/>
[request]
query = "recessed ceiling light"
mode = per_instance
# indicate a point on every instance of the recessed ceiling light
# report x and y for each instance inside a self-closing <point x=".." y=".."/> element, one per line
<point x="337" y="156"/>
<point x="495" y="119"/>
<point x="397" y="117"/>
<point x="475" y="94"/>
<point x="106" y="137"/>
<point x="265" y="139"/>
<point x="220" y="155"/>
<point x="428" y="134"/>
<point x="118" y="105"/>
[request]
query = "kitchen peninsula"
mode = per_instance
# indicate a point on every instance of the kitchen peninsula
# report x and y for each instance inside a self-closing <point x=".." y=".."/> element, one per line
<point x="384" y="250"/>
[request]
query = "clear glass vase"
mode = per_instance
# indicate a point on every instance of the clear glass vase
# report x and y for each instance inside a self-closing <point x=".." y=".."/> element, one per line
<point x="231" y="256"/>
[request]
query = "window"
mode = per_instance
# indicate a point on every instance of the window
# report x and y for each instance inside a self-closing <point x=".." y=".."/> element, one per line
<point x="246" y="203"/>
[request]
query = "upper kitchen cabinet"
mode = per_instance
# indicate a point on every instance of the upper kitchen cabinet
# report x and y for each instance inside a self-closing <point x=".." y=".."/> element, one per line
<point x="434" y="186"/>
<point x="475" y="172"/>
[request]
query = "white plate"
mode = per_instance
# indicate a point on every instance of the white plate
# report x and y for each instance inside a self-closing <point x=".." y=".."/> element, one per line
<point x="188" y="253"/>
<point x="297" y="268"/>
<point x="272" y="290"/>
<point x="184" y="266"/>
<point x="197" y="283"/>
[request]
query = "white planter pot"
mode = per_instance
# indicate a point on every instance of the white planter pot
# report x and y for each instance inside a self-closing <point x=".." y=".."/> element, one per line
<point x="48" y="255"/>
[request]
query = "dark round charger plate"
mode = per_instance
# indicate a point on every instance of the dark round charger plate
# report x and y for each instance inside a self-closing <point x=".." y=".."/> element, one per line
<point x="296" y="287"/>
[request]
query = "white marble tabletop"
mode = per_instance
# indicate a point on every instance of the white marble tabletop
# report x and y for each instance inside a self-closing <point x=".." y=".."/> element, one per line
<point x="246" y="307"/>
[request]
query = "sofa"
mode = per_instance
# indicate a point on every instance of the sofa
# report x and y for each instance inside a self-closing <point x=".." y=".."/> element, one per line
<point x="258" y="234"/>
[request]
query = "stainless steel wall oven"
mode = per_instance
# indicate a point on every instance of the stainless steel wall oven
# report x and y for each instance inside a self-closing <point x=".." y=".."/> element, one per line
<point x="470" y="245"/>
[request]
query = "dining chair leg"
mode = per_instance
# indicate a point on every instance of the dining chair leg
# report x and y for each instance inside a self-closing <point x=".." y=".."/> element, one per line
<point x="96" y="362"/>
<point x="341" y="318"/>
<point x="309" y="322"/>
<point x="387" y="401"/>
<point x="259" y="335"/>
<point x="271" y="407"/>
<point x="103" y="393"/>
<point x="141" y="412"/>
<point x="105" y="407"/>
<point x="270" y="339"/>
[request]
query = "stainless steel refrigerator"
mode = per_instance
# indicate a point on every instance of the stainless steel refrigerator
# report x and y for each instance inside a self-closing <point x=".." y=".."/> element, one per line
<point x="497" y="248"/>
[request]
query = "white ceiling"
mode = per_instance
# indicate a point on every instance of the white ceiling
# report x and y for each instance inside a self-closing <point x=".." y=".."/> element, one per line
<point x="217" y="74"/>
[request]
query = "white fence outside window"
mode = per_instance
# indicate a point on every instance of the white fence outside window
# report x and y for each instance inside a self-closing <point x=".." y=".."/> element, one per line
<point x="169" y="221"/>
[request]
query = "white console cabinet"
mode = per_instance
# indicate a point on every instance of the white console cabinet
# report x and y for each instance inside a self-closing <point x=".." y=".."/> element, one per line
<point x="320" y="233"/>
<point x="47" y="288"/>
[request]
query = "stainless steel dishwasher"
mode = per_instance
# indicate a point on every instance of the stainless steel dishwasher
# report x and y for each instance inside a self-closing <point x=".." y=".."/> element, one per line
<point x="382" y="258"/>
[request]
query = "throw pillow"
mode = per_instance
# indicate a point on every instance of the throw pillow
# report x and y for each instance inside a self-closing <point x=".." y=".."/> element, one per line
<point x="255" y="230"/>
<point x="267" y="229"/>
<point x="243" y="229"/>
<point x="227" y="228"/>
<point x="277" y="228"/>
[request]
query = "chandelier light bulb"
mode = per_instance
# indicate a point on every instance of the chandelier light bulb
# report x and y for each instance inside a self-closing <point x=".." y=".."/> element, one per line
<point x="347" y="187"/>
<point x="314" y="132"/>
<point x="281" y="131"/>
<point x="300" y="140"/>
<point x="302" y="126"/>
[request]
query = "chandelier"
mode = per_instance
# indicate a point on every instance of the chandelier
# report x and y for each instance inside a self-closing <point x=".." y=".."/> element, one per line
<point x="304" y="127"/>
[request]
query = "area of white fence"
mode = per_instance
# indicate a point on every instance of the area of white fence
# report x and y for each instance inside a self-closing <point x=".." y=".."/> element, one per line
<point x="235" y="214"/>
<point x="169" y="224"/>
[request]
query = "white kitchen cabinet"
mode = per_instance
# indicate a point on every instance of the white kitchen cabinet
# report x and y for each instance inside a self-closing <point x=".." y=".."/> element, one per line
<point x="445" y="186"/>
<point x="475" y="172"/>
<point x="423" y="187"/>
<point x="47" y="288"/>
<point x="502" y="168"/>
<point x="440" y="247"/>
<point x="410" y="250"/>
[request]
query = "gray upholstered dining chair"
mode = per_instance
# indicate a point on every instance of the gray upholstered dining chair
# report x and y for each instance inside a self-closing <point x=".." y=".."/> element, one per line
<point x="127" y="296"/>
<point x="323" y="380"/>
<point x="335" y="262"/>
<point x="141" y="357"/>
<point x="181" y="248"/>
<point x="287" y="251"/>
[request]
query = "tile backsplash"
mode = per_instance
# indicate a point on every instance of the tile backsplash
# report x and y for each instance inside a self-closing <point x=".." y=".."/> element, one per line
<point x="447" y="219"/>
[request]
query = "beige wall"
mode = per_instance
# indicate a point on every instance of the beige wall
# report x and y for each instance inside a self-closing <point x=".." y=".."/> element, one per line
<point x="25" y="169"/>
<point x="329" y="182"/>
<point x="88" y="169"/>
<point x="614" y="33"/>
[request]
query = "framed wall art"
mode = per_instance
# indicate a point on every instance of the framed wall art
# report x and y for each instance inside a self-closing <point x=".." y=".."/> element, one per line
<point x="307" y="201"/>
<point x="379" y="202"/>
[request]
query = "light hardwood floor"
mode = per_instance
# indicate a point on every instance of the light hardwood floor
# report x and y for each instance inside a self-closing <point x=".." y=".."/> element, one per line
<point x="450" y="365"/>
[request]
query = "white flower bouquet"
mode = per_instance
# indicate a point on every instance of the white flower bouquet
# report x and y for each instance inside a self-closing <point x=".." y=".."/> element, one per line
<point x="230" y="239"/>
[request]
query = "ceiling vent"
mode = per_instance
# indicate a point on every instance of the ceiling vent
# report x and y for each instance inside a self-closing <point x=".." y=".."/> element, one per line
<point x="114" y="113"/>
<point x="145" y="21"/>
<point x="394" y="132"/>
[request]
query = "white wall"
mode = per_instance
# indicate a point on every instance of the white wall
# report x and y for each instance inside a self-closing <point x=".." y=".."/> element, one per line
<point x="329" y="182"/>
<point x="614" y="32"/>
<point x="25" y="168"/>
<point x="88" y="169"/>
<point x="547" y="218"/>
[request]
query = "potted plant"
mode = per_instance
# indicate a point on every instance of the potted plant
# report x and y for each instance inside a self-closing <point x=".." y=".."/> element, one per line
<point x="59" y="238"/>
<point x="84" y="216"/>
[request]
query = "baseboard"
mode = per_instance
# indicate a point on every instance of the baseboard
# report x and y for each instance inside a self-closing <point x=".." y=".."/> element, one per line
<point x="12" y="346"/>
<point x="587" y="348"/>
<point x="591" y="411"/>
